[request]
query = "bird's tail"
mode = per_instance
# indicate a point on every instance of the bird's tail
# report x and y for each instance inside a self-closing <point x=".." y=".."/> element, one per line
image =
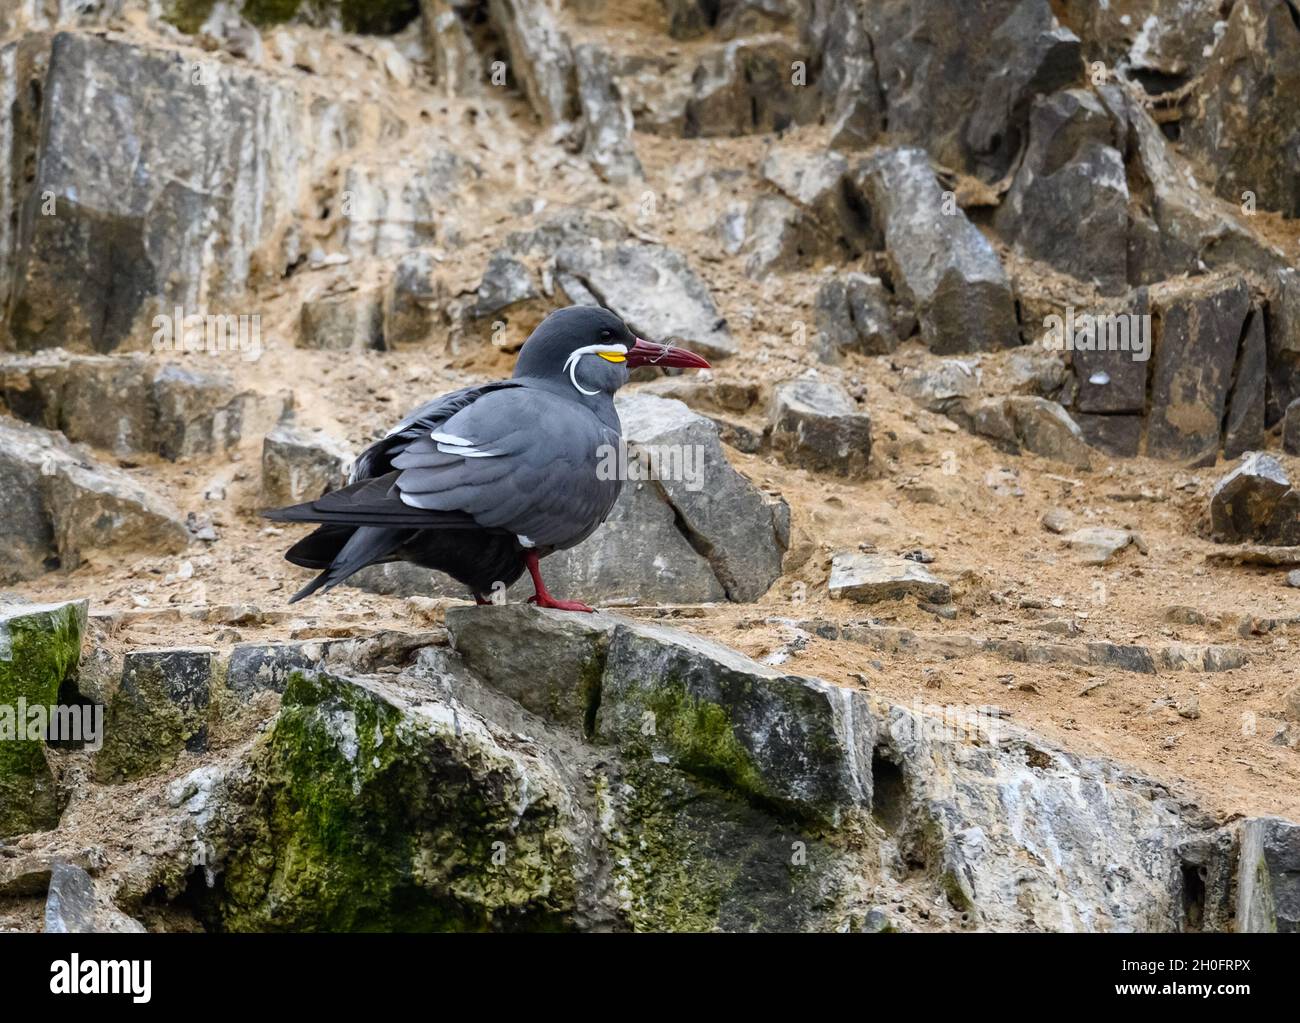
<point x="319" y="549"/>
<point x="365" y="546"/>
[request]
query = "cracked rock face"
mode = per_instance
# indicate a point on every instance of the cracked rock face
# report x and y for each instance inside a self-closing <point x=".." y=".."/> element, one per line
<point x="645" y="779"/>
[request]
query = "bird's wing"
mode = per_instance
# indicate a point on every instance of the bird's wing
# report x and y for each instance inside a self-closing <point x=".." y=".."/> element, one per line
<point x="377" y="459"/>
<point x="520" y="460"/>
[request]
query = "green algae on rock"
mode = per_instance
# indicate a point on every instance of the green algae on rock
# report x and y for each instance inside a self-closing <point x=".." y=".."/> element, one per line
<point x="799" y="745"/>
<point x="160" y="708"/>
<point x="40" y="648"/>
<point x="384" y="806"/>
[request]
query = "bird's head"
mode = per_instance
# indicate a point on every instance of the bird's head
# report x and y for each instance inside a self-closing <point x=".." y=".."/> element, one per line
<point x="593" y="350"/>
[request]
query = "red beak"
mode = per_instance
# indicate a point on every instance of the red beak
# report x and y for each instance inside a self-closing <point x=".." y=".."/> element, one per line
<point x="651" y="353"/>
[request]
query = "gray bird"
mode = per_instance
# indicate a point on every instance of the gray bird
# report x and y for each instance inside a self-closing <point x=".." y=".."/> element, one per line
<point x="486" y="481"/>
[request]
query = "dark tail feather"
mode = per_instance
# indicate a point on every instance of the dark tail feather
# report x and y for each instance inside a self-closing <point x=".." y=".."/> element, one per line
<point x="319" y="549"/>
<point x="373" y="502"/>
<point x="365" y="546"/>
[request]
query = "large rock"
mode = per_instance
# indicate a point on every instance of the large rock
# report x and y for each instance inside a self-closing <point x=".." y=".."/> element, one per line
<point x="819" y="183"/>
<point x="1168" y="39"/>
<point x="480" y="832"/>
<point x="1243" y="426"/>
<point x="1256" y="503"/>
<point x="816" y="424"/>
<point x="742" y="532"/>
<point x="62" y="505"/>
<point x="40" y="649"/>
<point x="1175" y="225"/>
<point x="1027" y="423"/>
<point x="410" y="301"/>
<point x="639" y="555"/>
<point x="341" y="323"/>
<point x="541" y="58"/>
<point x="854" y="315"/>
<point x="1291" y="429"/>
<point x="943" y="264"/>
<point x="300" y="466"/>
<point x="1268" y="881"/>
<point x="1201" y="325"/>
<point x="958" y="78"/>
<point x="872" y="578"/>
<point x="73" y="907"/>
<point x="159" y="230"/>
<point x="606" y="118"/>
<point x="159" y="709"/>
<point x="1245" y="118"/>
<point x="123" y="404"/>
<point x="700" y="707"/>
<point x="652" y="288"/>
<point x="1068" y="205"/>
<point x="748" y="87"/>
<point x="1282" y="338"/>
<point x="402" y="204"/>
<point x="853" y="101"/>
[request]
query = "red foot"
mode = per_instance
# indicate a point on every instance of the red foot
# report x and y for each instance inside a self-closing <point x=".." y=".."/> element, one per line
<point x="542" y="598"/>
<point x="546" y="600"/>
<point x="481" y="601"/>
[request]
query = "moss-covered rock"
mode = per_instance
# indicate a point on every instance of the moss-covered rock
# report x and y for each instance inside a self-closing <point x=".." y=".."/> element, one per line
<point x="40" y="647"/>
<point x="386" y="806"/>
<point x="188" y="15"/>
<point x="797" y="744"/>
<point x="270" y="12"/>
<point x="689" y="856"/>
<point x="160" y="708"/>
<point x="551" y="662"/>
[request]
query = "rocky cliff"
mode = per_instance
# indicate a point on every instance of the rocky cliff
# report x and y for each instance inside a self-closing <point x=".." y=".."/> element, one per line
<point x="961" y="594"/>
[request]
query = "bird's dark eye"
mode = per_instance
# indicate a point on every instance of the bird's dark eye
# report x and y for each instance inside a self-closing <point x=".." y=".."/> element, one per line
<point x="605" y="335"/>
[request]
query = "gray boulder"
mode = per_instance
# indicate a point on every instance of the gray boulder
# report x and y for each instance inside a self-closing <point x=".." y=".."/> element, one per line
<point x="942" y="263"/>
<point x="1032" y="424"/>
<point x="410" y="301"/>
<point x="300" y="466"/>
<point x="1201" y="327"/>
<point x="746" y="87"/>
<point x="607" y="121"/>
<point x="1268" y="880"/>
<point x="854" y="315"/>
<point x="160" y="709"/>
<point x="63" y="505"/>
<point x="1291" y="429"/>
<point x="958" y="79"/>
<point x="541" y="60"/>
<point x="1246" y="120"/>
<point x="506" y="282"/>
<point x="126" y="405"/>
<point x="872" y="578"/>
<point x="344" y="322"/>
<point x="743" y="533"/>
<point x="180" y="233"/>
<point x="816" y="424"/>
<point x="1256" y="503"/>
<point x="1068" y="204"/>
<point x="72" y="907"/>
<point x="652" y="288"/>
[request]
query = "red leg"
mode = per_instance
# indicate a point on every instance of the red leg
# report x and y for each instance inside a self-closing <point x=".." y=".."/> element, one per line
<point x="480" y="600"/>
<point x="542" y="598"/>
